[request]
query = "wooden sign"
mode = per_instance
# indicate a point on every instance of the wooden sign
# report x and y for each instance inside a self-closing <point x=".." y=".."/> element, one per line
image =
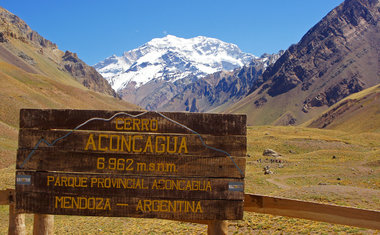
<point x="135" y="164"/>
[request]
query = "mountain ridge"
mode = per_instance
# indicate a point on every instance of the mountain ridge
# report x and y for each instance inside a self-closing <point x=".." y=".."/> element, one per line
<point x="337" y="57"/>
<point x="177" y="74"/>
<point x="171" y="58"/>
<point x="33" y="75"/>
<point x="157" y="74"/>
<point x="218" y="90"/>
<point x="358" y="113"/>
<point x="14" y="30"/>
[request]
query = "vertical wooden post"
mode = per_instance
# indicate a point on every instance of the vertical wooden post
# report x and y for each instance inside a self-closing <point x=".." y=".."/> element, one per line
<point x="16" y="221"/>
<point x="218" y="227"/>
<point x="43" y="224"/>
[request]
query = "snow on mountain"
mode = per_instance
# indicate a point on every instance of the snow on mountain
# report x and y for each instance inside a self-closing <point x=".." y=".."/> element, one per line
<point x="171" y="58"/>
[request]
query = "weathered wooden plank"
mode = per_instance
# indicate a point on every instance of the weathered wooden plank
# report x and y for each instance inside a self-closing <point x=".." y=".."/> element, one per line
<point x="217" y="227"/>
<point x="141" y="164"/>
<point x="43" y="224"/>
<point x="191" y="166"/>
<point x="130" y="186"/>
<point x="312" y="211"/>
<point x="16" y="222"/>
<point x="164" y="122"/>
<point x="87" y="205"/>
<point x="295" y="208"/>
<point x="129" y="143"/>
<point x="7" y="196"/>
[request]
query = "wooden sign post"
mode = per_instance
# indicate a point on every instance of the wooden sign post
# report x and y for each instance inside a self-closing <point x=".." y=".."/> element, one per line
<point x="137" y="164"/>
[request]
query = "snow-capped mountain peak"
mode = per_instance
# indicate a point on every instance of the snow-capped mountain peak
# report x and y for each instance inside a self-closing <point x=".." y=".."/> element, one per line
<point x="171" y="58"/>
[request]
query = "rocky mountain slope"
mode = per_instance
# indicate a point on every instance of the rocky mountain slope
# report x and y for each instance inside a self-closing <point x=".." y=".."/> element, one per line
<point x="171" y="58"/>
<point x="157" y="75"/>
<point x="14" y="32"/>
<point x="219" y="90"/>
<point x="35" y="74"/>
<point x="359" y="112"/>
<point x="337" y="57"/>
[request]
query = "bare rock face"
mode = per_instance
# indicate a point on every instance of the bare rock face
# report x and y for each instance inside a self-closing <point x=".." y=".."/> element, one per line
<point x="335" y="93"/>
<point x="337" y="57"/>
<point x="286" y="120"/>
<point x="219" y="89"/>
<point x="85" y="74"/>
<point x="324" y="45"/>
<point x="3" y="37"/>
<point x="14" y="28"/>
<point x="362" y="109"/>
<point x="260" y="102"/>
<point x="343" y="89"/>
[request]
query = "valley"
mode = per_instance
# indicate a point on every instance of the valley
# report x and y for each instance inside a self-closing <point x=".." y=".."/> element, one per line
<point x="316" y="105"/>
<point x="326" y="166"/>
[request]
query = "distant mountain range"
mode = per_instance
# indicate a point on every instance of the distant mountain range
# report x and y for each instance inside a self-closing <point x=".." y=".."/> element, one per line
<point x="336" y="58"/>
<point x="171" y="58"/>
<point x="339" y="56"/>
<point x="158" y="72"/>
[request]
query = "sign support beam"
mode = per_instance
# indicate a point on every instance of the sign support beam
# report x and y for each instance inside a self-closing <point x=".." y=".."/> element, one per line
<point x="274" y="206"/>
<point x="312" y="211"/>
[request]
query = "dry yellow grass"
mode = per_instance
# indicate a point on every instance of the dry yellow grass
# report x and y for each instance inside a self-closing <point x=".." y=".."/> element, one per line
<point x="309" y="172"/>
<point x="25" y="90"/>
<point x="358" y="112"/>
<point x="20" y="89"/>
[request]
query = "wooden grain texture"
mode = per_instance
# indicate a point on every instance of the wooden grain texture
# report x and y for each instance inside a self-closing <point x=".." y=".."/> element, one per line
<point x="46" y="203"/>
<point x="16" y="223"/>
<point x="123" y="159"/>
<point x="217" y="227"/>
<point x="294" y="208"/>
<point x="160" y="143"/>
<point x="203" y="123"/>
<point x="43" y="224"/>
<point x="312" y="211"/>
<point x="131" y="164"/>
<point x="7" y="196"/>
<point x="104" y="185"/>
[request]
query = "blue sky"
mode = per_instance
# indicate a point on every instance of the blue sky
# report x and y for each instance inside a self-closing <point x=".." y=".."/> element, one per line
<point x="98" y="29"/>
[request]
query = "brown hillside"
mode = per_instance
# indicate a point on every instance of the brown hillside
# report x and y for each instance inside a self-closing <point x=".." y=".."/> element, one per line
<point x="35" y="74"/>
<point x="26" y="49"/>
<point x="20" y="89"/>
<point x="356" y="113"/>
<point x="339" y="56"/>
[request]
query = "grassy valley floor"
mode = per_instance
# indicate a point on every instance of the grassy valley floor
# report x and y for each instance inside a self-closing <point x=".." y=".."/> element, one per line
<point x="316" y="165"/>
